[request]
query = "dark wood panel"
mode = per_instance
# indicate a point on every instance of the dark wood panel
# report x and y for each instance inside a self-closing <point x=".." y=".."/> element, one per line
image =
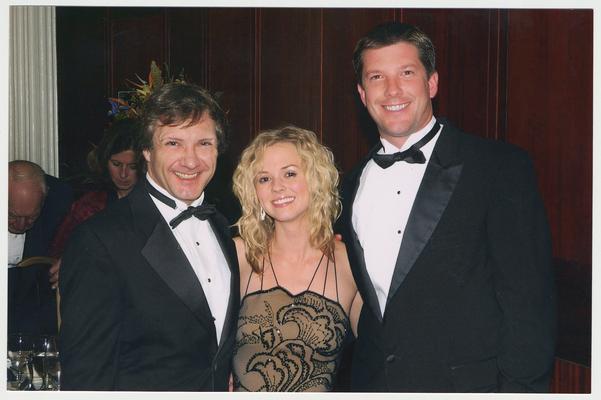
<point x="81" y="83"/>
<point x="550" y="114"/>
<point x="232" y="71"/>
<point x="136" y="37"/>
<point x="574" y="304"/>
<point x="290" y="68"/>
<point x="347" y="128"/>
<point x="569" y="377"/>
<point x="467" y="56"/>
<point x="186" y="40"/>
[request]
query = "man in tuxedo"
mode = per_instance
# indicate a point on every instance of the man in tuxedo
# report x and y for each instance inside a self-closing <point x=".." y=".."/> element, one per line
<point x="36" y="204"/>
<point x="448" y="240"/>
<point x="149" y="286"/>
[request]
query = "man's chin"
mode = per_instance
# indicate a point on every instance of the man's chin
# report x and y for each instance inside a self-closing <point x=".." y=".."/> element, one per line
<point x="188" y="197"/>
<point x="188" y="193"/>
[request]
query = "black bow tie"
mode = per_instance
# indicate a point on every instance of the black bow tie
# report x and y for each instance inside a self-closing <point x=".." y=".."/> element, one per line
<point x="413" y="155"/>
<point x="202" y="212"/>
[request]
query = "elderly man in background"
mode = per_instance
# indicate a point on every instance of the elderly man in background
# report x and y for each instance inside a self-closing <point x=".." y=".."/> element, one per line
<point x="36" y="204"/>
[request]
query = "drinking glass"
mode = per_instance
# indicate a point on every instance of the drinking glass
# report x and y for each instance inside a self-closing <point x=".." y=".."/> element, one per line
<point x="20" y="349"/>
<point x="45" y="362"/>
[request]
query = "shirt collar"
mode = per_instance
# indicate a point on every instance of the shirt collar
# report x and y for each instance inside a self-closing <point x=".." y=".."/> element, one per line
<point x="179" y="205"/>
<point x="389" y="148"/>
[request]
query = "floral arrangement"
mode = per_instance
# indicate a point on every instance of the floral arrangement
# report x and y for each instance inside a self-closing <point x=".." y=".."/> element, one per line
<point x="128" y="104"/>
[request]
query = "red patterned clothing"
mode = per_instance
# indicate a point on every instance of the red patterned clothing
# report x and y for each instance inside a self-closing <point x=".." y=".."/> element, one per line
<point x="83" y="208"/>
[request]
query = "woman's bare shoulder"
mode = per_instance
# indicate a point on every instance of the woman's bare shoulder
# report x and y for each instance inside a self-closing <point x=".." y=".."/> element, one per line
<point x="342" y="261"/>
<point x="239" y="243"/>
<point x="241" y="253"/>
<point x="340" y="252"/>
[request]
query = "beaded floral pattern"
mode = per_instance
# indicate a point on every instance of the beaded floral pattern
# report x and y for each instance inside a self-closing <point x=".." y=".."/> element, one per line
<point x="288" y="342"/>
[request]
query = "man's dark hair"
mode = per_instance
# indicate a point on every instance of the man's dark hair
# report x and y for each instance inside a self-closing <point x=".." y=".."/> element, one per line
<point x="391" y="33"/>
<point x="177" y="103"/>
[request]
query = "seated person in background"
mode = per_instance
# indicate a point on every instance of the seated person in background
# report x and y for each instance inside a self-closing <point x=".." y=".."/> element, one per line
<point x="36" y="204"/>
<point x="116" y="165"/>
<point x="299" y="297"/>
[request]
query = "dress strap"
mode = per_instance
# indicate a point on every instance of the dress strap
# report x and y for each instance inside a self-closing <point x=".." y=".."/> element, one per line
<point x="272" y="270"/>
<point x="335" y="277"/>
<point x="248" y="283"/>
<point x="325" y="280"/>
<point x="263" y="271"/>
<point x="316" y="269"/>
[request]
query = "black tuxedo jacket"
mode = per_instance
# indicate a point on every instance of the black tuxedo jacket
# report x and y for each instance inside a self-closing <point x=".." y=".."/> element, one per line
<point x="471" y="304"/>
<point x="134" y="315"/>
<point x="31" y="301"/>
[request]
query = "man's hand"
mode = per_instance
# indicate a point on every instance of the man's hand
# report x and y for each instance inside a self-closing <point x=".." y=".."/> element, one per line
<point x="53" y="273"/>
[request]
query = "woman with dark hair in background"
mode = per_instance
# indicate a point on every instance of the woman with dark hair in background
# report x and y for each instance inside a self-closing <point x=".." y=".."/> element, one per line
<point x="115" y="166"/>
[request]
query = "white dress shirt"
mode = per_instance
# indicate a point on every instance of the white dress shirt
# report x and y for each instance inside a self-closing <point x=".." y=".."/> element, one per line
<point x="382" y="206"/>
<point x="203" y="251"/>
<point x="16" y="243"/>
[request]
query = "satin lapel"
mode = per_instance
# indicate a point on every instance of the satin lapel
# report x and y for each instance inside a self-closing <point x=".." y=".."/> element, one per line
<point x="437" y="186"/>
<point x="369" y="293"/>
<point x="164" y="255"/>
<point x="229" y="252"/>
<point x="169" y="261"/>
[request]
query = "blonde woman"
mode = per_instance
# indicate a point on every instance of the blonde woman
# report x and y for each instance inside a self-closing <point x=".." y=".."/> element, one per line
<point x="299" y="301"/>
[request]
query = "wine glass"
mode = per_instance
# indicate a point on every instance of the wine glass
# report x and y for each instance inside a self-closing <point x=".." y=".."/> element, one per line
<point x="45" y="362"/>
<point x="20" y="349"/>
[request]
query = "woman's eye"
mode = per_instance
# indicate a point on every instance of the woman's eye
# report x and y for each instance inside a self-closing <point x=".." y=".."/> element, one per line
<point x="290" y="174"/>
<point x="171" y="143"/>
<point x="262" y="179"/>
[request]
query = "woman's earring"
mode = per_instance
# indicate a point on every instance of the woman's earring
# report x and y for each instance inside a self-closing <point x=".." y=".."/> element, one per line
<point x="262" y="215"/>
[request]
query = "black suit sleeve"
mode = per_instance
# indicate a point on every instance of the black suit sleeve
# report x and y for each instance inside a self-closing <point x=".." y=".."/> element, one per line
<point x="520" y="251"/>
<point x="90" y="311"/>
<point x="56" y="205"/>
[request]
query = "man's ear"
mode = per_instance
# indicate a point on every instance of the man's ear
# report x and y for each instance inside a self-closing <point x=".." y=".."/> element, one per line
<point x="361" y="93"/>
<point x="433" y="84"/>
<point x="146" y="154"/>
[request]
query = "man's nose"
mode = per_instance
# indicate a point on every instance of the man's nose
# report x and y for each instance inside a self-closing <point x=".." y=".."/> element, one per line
<point x="191" y="157"/>
<point x="393" y="86"/>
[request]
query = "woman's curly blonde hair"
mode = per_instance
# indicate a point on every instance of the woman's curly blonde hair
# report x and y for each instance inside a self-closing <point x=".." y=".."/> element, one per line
<point x="322" y="180"/>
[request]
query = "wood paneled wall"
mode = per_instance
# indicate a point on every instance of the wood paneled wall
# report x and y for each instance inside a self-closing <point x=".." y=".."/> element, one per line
<point x="570" y="377"/>
<point x="523" y="76"/>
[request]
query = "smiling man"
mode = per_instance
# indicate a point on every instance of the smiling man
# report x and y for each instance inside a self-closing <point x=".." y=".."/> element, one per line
<point x="447" y="238"/>
<point x="150" y="285"/>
